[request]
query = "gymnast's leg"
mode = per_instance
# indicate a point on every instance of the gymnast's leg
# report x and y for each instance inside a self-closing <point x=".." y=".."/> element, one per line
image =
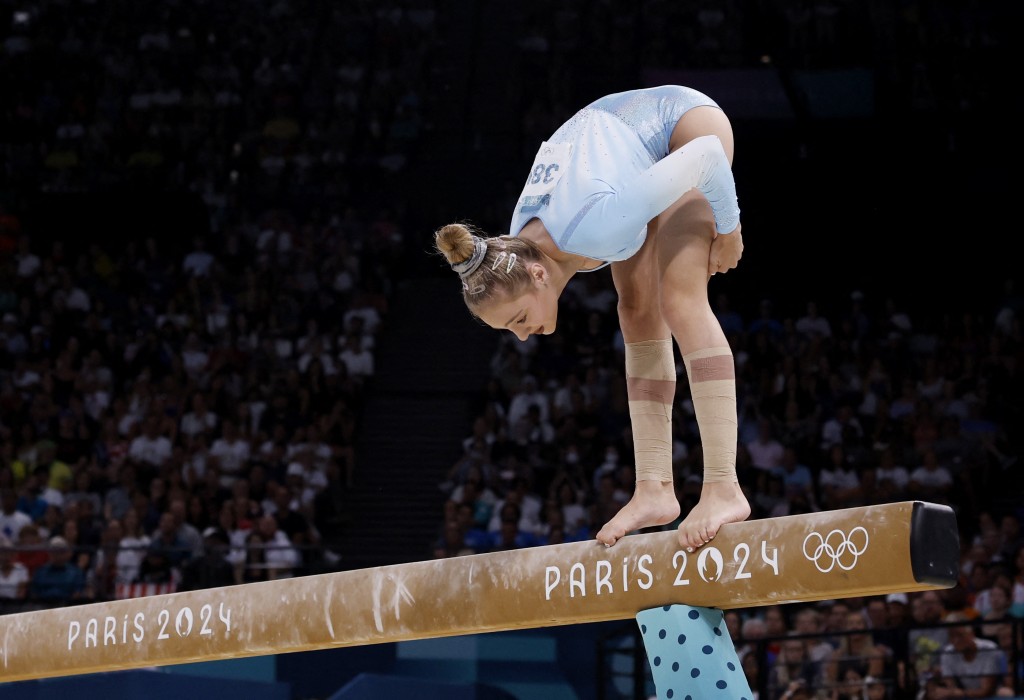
<point x="686" y="233"/>
<point x="663" y="290"/>
<point x="650" y="390"/>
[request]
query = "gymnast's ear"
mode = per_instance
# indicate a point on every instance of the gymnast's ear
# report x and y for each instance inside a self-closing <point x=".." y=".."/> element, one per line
<point x="538" y="273"/>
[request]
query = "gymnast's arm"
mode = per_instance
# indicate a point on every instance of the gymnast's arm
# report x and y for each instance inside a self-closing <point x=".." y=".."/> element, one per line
<point x="701" y="163"/>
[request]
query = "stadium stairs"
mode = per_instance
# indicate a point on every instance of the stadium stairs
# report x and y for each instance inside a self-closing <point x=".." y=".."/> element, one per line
<point x="431" y="360"/>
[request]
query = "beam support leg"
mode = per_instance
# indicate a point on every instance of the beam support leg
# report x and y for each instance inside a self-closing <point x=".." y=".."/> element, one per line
<point x="691" y="654"/>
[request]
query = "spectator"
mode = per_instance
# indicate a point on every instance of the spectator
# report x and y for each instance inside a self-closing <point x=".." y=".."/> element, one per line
<point x="510" y="536"/>
<point x="808" y="621"/>
<point x="237" y="541"/>
<point x="150" y="449"/>
<point x="931" y="481"/>
<point x="58" y="581"/>
<point x="796" y="477"/>
<point x="57" y="474"/>
<point x="532" y="432"/>
<point x="316" y="360"/>
<point x="765" y="450"/>
<point x="304" y="479"/>
<point x="102" y="579"/>
<point x="296" y="526"/>
<point x="12" y="520"/>
<point x="883" y="632"/>
<point x="858" y="652"/>
<point x="571" y="502"/>
<point x="527" y="395"/>
<point x="452" y="542"/>
<point x="1017" y="604"/>
<point x="812" y="325"/>
<point x="187" y="532"/>
<point x="132" y="547"/>
<point x="30" y="499"/>
<point x="969" y="667"/>
<point x="528" y="504"/>
<point x="357" y="359"/>
<point x="255" y="567"/>
<point x="281" y="557"/>
<point x="211" y="569"/>
<point x="199" y="419"/>
<point x="84" y="491"/>
<point x="229" y="453"/>
<point x="168" y="544"/>
<point x="14" y="576"/>
<point x="839" y="482"/>
<point x="245" y="509"/>
<point x="998" y="613"/>
<point x="891" y="479"/>
<point x="199" y="262"/>
<point x="841" y="428"/>
<point x="924" y="642"/>
<point x="120" y="496"/>
<point x="33" y="551"/>
<point x="792" y="669"/>
<point x="83" y="549"/>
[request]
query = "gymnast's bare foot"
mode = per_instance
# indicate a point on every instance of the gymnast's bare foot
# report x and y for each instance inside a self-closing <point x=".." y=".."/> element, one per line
<point x="720" y="503"/>
<point x="653" y="503"/>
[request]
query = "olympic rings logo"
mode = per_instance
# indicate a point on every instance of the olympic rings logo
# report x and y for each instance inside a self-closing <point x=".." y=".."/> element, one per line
<point x="836" y="549"/>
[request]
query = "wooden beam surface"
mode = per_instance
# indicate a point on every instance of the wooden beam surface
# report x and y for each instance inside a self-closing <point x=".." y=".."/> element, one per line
<point x="907" y="546"/>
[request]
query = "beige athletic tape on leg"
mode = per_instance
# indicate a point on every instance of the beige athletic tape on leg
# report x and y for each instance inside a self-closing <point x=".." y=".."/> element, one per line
<point x="713" y="387"/>
<point x="651" y="389"/>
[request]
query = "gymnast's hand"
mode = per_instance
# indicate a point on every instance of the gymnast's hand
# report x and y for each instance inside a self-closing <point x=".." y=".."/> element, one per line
<point x="726" y="250"/>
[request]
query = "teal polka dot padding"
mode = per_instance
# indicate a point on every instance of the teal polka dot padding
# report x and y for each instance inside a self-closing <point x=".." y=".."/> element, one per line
<point x="691" y="654"/>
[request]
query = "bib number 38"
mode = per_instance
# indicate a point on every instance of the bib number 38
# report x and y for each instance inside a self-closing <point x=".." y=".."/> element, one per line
<point x="549" y="165"/>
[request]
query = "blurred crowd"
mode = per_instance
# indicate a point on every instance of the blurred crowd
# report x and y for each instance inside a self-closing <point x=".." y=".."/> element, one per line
<point x="166" y="420"/>
<point x="181" y="412"/>
<point x="243" y="103"/>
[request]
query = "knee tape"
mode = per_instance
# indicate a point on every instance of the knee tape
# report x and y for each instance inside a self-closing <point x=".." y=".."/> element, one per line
<point x="651" y="389"/>
<point x="712" y="377"/>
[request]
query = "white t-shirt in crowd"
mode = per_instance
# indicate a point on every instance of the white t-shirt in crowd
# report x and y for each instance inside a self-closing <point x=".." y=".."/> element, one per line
<point x="839" y="478"/>
<point x="897" y="475"/>
<point x="231" y="456"/>
<point x="10" y="525"/>
<point x="932" y="478"/>
<point x="989" y="661"/>
<point x="11" y="581"/>
<point x="155" y="451"/>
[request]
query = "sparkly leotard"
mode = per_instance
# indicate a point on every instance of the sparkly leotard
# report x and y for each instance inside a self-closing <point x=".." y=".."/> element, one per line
<point x="607" y="171"/>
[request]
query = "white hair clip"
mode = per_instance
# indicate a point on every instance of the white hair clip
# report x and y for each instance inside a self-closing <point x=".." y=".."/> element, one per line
<point x="498" y="258"/>
<point x="475" y="290"/>
<point x="511" y="262"/>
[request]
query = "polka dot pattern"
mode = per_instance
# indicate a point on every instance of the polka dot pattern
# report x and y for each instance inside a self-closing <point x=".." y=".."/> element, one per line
<point x="689" y="655"/>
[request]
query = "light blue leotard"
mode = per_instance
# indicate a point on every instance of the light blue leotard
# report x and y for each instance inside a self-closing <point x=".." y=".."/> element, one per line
<point x="607" y="171"/>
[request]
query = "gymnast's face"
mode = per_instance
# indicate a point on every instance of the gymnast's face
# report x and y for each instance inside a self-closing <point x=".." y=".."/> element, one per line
<point x="532" y="312"/>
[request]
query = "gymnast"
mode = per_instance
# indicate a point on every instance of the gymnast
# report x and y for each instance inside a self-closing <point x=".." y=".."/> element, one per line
<point x="641" y="181"/>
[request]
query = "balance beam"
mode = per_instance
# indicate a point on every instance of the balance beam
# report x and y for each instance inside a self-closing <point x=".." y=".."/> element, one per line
<point x="898" y="547"/>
